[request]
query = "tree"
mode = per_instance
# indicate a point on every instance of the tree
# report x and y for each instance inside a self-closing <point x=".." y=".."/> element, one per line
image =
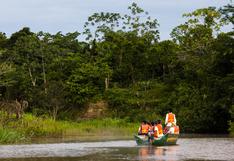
<point x="87" y="81"/>
<point x="6" y="70"/>
<point x="123" y="41"/>
<point x="197" y="34"/>
<point x="3" y="40"/>
<point x="228" y="12"/>
<point x="106" y="22"/>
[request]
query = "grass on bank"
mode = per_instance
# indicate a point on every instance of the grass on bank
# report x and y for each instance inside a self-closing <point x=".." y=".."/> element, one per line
<point x="14" y="131"/>
<point x="11" y="136"/>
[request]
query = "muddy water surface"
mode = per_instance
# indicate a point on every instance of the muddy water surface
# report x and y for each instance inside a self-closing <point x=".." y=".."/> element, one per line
<point x="194" y="149"/>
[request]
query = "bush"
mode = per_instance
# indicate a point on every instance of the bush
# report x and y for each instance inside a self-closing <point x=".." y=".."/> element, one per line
<point x="231" y="129"/>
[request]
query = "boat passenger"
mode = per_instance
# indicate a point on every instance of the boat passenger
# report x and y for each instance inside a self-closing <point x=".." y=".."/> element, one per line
<point x="176" y="129"/>
<point x="144" y="128"/>
<point x="156" y="134"/>
<point x="170" y="119"/>
<point x="160" y="128"/>
<point x="151" y="131"/>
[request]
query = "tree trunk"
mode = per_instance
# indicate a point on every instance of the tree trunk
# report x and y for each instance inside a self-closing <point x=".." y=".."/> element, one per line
<point x="44" y="76"/>
<point x="33" y="80"/>
<point x="107" y="81"/>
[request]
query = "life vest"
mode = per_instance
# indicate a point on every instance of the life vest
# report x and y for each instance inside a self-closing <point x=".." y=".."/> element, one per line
<point x="176" y="130"/>
<point x="160" y="129"/>
<point x="144" y="129"/>
<point x="171" y="117"/>
<point x="155" y="131"/>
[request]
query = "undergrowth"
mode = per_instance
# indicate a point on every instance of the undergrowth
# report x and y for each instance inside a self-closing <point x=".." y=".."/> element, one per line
<point x="16" y="131"/>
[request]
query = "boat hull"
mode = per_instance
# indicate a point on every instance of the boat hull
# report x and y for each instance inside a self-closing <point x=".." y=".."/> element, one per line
<point x="141" y="140"/>
<point x="168" y="139"/>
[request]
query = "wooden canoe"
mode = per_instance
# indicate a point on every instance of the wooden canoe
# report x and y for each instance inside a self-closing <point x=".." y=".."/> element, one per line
<point x="167" y="139"/>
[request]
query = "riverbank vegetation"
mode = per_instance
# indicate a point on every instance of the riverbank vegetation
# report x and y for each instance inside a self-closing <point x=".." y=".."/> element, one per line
<point x="21" y="131"/>
<point x="124" y="63"/>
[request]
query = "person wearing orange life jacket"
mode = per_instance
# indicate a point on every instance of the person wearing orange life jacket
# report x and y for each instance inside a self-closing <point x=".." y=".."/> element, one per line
<point x="151" y="131"/>
<point x="170" y="123"/>
<point x="176" y="130"/>
<point x="144" y="128"/>
<point x="170" y="119"/>
<point x="158" y="130"/>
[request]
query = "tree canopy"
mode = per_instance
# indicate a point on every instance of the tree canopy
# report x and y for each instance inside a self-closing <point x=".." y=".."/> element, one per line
<point x="124" y="63"/>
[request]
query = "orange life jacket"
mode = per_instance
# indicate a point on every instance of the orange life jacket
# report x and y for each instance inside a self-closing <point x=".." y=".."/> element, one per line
<point x="156" y="130"/>
<point x="144" y="129"/>
<point x="171" y="117"/>
<point x="155" y="133"/>
<point x="160" y="129"/>
<point x="176" y="130"/>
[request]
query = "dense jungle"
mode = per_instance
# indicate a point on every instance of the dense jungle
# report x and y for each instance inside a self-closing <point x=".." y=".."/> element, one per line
<point x="121" y="61"/>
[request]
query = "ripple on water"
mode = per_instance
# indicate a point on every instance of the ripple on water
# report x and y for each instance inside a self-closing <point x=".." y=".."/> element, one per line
<point x="187" y="149"/>
<point x="60" y="150"/>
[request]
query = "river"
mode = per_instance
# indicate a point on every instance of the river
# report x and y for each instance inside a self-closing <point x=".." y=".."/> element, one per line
<point x="188" y="149"/>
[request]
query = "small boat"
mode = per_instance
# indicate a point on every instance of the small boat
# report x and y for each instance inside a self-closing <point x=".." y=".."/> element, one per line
<point x="167" y="139"/>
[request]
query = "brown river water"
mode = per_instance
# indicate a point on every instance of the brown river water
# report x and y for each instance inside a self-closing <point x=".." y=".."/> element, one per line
<point x="188" y="149"/>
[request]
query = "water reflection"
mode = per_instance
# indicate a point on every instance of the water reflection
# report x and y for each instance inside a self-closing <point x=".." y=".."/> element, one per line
<point x="158" y="153"/>
<point x="196" y="149"/>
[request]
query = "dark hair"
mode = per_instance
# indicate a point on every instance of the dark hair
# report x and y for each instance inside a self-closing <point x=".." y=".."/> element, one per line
<point x="155" y="122"/>
<point x="152" y="123"/>
<point x="169" y="110"/>
<point x="159" y="121"/>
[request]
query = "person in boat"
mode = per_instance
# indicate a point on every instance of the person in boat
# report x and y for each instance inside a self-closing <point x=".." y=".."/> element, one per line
<point x="170" y="122"/>
<point x="176" y="129"/>
<point x="158" y="129"/>
<point x="144" y="128"/>
<point x="172" y="130"/>
<point x="151" y="128"/>
<point x="170" y="119"/>
<point x="151" y="131"/>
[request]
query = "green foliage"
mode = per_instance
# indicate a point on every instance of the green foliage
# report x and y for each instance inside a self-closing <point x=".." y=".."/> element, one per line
<point x="124" y="63"/>
<point x="87" y="81"/>
<point x="3" y="40"/>
<point x="31" y="126"/>
<point x="196" y="34"/>
<point x="231" y="123"/>
<point x="104" y="127"/>
<point x="227" y="12"/>
<point x="141" y="101"/>
<point x="108" y="22"/>
<point x="231" y="128"/>
<point x="6" y="73"/>
<point x="9" y="136"/>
